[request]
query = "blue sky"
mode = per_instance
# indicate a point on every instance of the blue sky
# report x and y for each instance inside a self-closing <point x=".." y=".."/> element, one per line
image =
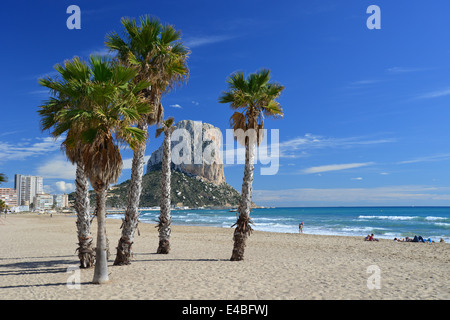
<point x="366" y="111"/>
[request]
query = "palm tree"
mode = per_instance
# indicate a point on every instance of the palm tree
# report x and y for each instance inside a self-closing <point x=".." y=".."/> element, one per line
<point x="107" y="106"/>
<point x="3" y="206"/>
<point x="165" y="219"/>
<point x="3" y="178"/>
<point x="72" y="74"/>
<point x="253" y="99"/>
<point x="156" y="51"/>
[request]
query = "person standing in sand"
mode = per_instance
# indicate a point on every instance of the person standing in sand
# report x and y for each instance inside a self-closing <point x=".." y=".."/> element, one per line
<point x="300" y="227"/>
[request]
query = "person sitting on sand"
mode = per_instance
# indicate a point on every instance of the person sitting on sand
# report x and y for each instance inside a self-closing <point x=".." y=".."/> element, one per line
<point x="371" y="238"/>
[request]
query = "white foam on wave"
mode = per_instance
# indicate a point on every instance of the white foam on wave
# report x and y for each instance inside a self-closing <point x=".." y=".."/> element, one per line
<point x="431" y="218"/>
<point x="389" y="217"/>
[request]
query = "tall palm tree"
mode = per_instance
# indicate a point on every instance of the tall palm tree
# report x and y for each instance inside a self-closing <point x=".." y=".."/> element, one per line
<point x="103" y="119"/>
<point x="160" y="58"/>
<point x="72" y="74"/>
<point x="164" y="218"/>
<point x="253" y="99"/>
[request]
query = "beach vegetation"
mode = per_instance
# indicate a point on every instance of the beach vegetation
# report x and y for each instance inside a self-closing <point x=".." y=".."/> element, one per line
<point x="102" y="119"/>
<point x="253" y="98"/>
<point x="65" y="89"/>
<point x="155" y="50"/>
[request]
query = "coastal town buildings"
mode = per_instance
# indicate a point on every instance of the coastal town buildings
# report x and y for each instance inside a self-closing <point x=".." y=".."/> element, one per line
<point x="43" y="201"/>
<point x="27" y="187"/>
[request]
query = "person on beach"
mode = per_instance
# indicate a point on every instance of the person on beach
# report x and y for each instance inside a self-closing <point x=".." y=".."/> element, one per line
<point x="300" y="227"/>
<point x="370" y="238"/>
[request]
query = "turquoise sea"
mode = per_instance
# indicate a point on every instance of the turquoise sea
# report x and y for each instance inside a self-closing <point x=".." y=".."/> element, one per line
<point x="384" y="222"/>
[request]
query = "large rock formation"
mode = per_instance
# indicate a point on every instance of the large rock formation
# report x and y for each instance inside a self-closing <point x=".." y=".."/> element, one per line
<point x="195" y="151"/>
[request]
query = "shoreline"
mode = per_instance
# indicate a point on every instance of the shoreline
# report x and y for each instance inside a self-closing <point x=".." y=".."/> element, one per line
<point x="150" y="222"/>
<point x="37" y="251"/>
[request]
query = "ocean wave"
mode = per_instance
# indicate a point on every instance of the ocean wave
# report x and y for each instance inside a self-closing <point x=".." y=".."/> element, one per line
<point x="431" y="218"/>
<point x="442" y="224"/>
<point x="390" y="217"/>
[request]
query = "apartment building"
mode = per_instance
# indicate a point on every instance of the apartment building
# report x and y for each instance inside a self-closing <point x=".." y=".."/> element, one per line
<point x="9" y="196"/>
<point x="27" y="187"/>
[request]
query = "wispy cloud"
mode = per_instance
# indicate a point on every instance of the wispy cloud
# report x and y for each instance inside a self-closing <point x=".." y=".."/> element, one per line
<point x="432" y="158"/>
<point x="398" y="70"/>
<point x="176" y="106"/>
<point x="40" y="93"/>
<point x="435" y="94"/>
<point x="403" y="195"/>
<point x="364" y="82"/>
<point x="198" y="41"/>
<point x="27" y="149"/>
<point x="2" y="134"/>
<point x="297" y="147"/>
<point x="335" y="167"/>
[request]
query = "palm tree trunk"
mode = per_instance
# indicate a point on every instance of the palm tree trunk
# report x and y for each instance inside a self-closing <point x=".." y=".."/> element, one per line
<point x="131" y="220"/>
<point x="243" y="228"/>
<point x="86" y="253"/>
<point x="165" y="219"/>
<point x="101" y="264"/>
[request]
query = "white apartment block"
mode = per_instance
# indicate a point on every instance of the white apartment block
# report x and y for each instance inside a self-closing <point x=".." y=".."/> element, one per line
<point x="27" y="187"/>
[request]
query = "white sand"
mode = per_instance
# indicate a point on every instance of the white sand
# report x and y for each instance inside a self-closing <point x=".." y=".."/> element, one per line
<point x="36" y="252"/>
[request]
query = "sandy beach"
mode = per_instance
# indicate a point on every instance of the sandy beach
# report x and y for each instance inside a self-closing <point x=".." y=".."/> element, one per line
<point x="37" y="251"/>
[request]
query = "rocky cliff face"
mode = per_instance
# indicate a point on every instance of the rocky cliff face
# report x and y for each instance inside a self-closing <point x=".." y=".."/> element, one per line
<point x="195" y="151"/>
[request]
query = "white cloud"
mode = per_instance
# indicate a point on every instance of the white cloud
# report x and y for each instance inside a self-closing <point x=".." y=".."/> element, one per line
<point x="335" y="167"/>
<point x="176" y="106"/>
<point x="358" y="178"/>
<point x="65" y="187"/>
<point x="57" y="168"/>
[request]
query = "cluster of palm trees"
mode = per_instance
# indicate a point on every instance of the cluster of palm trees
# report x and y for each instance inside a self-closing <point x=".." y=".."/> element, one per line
<point x="105" y="103"/>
